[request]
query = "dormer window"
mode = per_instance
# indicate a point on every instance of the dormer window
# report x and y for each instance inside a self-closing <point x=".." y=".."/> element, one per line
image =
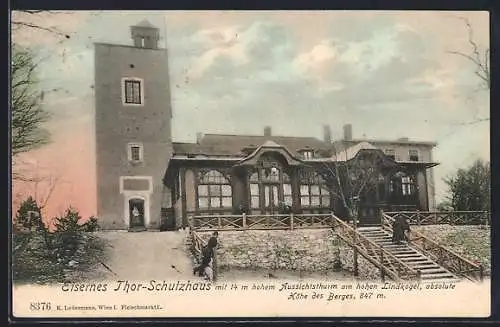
<point x="307" y="154"/>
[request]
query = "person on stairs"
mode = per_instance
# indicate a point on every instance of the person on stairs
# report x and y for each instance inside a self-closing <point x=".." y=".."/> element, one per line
<point x="207" y="255"/>
<point x="399" y="228"/>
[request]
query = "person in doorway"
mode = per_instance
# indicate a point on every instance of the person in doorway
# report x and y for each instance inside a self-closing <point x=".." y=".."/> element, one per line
<point x="135" y="215"/>
<point x="207" y="255"/>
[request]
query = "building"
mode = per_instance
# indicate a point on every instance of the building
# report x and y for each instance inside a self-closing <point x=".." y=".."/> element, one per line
<point x="147" y="181"/>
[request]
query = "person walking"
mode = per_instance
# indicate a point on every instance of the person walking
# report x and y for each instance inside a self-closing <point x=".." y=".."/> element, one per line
<point x="207" y="255"/>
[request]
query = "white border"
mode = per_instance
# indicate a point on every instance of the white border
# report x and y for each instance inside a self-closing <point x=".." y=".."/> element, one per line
<point x="129" y="152"/>
<point x="141" y="80"/>
<point x="143" y="195"/>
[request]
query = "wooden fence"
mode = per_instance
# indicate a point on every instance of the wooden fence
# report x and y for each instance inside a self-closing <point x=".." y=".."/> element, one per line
<point x="445" y="257"/>
<point x="388" y="263"/>
<point x="260" y="222"/>
<point x="443" y="217"/>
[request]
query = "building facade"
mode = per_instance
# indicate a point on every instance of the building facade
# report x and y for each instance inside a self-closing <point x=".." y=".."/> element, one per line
<point x="147" y="181"/>
<point x="132" y="130"/>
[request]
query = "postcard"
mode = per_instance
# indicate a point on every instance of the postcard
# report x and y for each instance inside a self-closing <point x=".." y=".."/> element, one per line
<point x="250" y="164"/>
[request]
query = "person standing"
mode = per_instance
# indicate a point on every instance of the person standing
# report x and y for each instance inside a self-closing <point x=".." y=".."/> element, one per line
<point x="208" y="253"/>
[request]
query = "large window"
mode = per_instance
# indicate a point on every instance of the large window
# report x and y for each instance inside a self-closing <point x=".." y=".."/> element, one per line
<point x="313" y="191"/>
<point x="254" y="191"/>
<point x="132" y="91"/>
<point x="264" y="181"/>
<point x="214" y="191"/>
<point x="407" y="185"/>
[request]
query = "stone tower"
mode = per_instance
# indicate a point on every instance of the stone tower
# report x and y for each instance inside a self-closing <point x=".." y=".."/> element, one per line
<point x="132" y="130"/>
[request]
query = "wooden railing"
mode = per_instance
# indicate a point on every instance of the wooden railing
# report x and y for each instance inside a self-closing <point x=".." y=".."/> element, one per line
<point x="445" y="257"/>
<point x="388" y="264"/>
<point x="197" y="246"/>
<point x="443" y="217"/>
<point x="260" y="222"/>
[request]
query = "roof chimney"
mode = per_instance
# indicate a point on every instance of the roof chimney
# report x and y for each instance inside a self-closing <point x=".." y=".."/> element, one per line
<point x="267" y="131"/>
<point x="327" y="134"/>
<point x="199" y="136"/>
<point x="347" y="132"/>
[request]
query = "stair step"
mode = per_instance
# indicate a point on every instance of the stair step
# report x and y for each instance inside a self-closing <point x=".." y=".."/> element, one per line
<point x="399" y="252"/>
<point x="434" y="270"/>
<point x="423" y="265"/>
<point x="436" y="276"/>
<point x="415" y="259"/>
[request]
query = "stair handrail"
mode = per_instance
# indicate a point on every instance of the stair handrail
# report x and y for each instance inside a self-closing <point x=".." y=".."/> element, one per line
<point x="386" y="254"/>
<point x="476" y="268"/>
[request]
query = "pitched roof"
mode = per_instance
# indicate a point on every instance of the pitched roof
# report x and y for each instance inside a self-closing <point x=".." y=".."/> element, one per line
<point x="243" y="145"/>
<point x="145" y="23"/>
<point x="351" y="152"/>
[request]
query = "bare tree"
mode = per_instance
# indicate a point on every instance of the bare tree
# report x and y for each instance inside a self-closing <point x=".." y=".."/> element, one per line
<point x="23" y="20"/>
<point x="480" y="58"/>
<point x="350" y="178"/>
<point x="27" y="111"/>
<point x="28" y="114"/>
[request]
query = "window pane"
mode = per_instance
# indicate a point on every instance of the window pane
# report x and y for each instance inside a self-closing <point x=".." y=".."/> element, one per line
<point x="226" y="190"/>
<point x="275" y="195"/>
<point x="137" y="92"/>
<point x="254" y="177"/>
<point x="135" y="153"/>
<point x="314" y="189"/>
<point x="215" y="190"/>
<point x="325" y="201"/>
<point x="203" y="202"/>
<point x="254" y="189"/>
<point x="286" y="178"/>
<point x="305" y="201"/>
<point x="202" y="190"/>
<point x="287" y="189"/>
<point x="288" y="200"/>
<point x="227" y="202"/>
<point x="266" y="196"/>
<point x="324" y="191"/>
<point x="315" y="201"/>
<point x="128" y="92"/>
<point x="304" y="189"/>
<point x="255" y="202"/>
<point x="215" y="202"/>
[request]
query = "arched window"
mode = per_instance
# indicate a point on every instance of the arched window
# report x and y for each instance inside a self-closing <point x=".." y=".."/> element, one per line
<point x="313" y="190"/>
<point x="214" y="191"/>
<point x="402" y="184"/>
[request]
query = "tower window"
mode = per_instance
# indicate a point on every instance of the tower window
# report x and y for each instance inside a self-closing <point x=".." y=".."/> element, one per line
<point x="133" y="92"/>
<point x="135" y="152"/>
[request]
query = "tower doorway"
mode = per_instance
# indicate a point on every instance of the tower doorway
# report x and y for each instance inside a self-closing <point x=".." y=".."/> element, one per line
<point x="136" y="212"/>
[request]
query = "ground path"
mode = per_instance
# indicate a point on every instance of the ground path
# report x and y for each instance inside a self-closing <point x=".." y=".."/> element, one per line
<point x="147" y="255"/>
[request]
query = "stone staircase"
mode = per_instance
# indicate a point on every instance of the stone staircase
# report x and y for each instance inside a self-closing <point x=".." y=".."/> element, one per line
<point x="430" y="270"/>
